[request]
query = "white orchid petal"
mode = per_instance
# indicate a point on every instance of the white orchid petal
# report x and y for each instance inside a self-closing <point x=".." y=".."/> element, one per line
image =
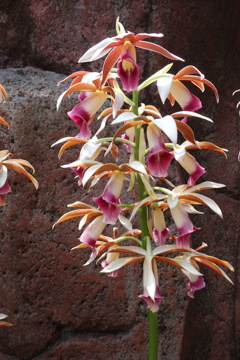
<point x="187" y="266"/>
<point x="137" y="207"/>
<point x="190" y="114"/>
<point x="164" y="87"/>
<point x="118" y="103"/>
<point x="148" y="187"/>
<point x="149" y="278"/>
<point x="168" y="126"/>
<point x="3" y="175"/>
<point x="124" y="117"/>
<point x="210" y="203"/>
<point x="138" y="166"/>
<point x="89" y="172"/>
<point x="133" y="249"/>
<point x="163" y="248"/>
<point x="172" y="201"/>
<point x="190" y="209"/>
<point x="204" y="185"/>
<point x="118" y="264"/>
<point x="96" y="51"/>
<point x="126" y="223"/>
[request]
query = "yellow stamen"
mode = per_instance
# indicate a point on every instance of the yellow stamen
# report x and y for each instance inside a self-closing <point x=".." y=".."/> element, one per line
<point x="127" y="65"/>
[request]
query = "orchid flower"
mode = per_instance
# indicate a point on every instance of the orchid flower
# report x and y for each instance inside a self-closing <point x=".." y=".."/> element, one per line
<point x="171" y="87"/>
<point x="179" y="201"/>
<point x="109" y="200"/>
<point x="89" y="151"/>
<point x="92" y="97"/>
<point x="151" y="292"/>
<point x="15" y="164"/>
<point x="195" y="282"/>
<point x="121" y="48"/>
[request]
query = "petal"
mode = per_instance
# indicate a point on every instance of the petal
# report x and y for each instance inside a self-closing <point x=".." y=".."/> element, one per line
<point x="3" y="175"/>
<point x="164" y="86"/>
<point x="5" y="189"/>
<point x="158" y="162"/>
<point x="153" y="305"/>
<point x="189" y="163"/>
<point x="119" y="263"/>
<point x="156" y="48"/>
<point x="160" y="232"/>
<point x="96" y="51"/>
<point x="92" y="232"/>
<point x="168" y="126"/>
<point x="184" y="97"/>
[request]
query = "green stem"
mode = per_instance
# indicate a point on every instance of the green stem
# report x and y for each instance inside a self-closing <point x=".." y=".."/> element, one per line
<point x="152" y="317"/>
<point x="153" y="335"/>
<point x="129" y="238"/>
<point x="141" y="187"/>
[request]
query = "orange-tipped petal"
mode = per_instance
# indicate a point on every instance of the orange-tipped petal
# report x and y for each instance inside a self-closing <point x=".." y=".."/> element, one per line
<point x="2" y="121"/>
<point x="110" y="61"/>
<point x="157" y="48"/>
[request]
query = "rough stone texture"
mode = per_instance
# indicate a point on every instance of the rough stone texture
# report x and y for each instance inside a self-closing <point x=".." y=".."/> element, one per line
<point x="59" y="309"/>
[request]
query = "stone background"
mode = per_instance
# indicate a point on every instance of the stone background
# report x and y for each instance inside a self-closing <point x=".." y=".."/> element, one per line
<point x="59" y="309"/>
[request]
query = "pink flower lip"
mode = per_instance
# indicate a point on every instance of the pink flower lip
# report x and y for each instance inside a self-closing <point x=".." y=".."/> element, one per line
<point x="195" y="285"/>
<point x="111" y="274"/>
<point x="183" y="239"/>
<point x="80" y="172"/>
<point x="159" y="161"/>
<point x="194" y="104"/>
<point x="92" y="232"/>
<point x="153" y="305"/>
<point x="160" y="236"/>
<point x="129" y="147"/>
<point x="128" y="71"/>
<point x="108" y="204"/>
<point x="5" y="189"/>
<point x="81" y="117"/>
<point x="195" y="175"/>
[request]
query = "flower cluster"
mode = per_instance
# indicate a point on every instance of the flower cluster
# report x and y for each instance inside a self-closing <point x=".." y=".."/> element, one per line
<point x="152" y="143"/>
<point x="16" y="164"/>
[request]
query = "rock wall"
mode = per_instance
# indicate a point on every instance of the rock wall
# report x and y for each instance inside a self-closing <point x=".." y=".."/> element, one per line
<point x="59" y="309"/>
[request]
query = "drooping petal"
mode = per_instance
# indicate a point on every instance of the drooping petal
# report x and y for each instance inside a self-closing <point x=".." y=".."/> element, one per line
<point x="151" y="292"/>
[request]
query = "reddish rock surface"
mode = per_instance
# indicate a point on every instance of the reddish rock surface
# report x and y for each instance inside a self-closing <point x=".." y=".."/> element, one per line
<point x="59" y="309"/>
